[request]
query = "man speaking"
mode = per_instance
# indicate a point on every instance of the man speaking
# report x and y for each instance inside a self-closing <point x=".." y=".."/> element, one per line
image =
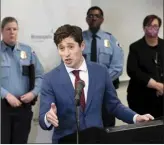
<point x="57" y="102"/>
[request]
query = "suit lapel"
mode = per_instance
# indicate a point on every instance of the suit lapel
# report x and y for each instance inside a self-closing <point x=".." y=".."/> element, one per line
<point x="92" y="85"/>
<point x="68" y="87"/>
<point x="66" y="82"/>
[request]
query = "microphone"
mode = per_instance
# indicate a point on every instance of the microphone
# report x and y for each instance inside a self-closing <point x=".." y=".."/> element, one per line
<point x="78" y="91"/>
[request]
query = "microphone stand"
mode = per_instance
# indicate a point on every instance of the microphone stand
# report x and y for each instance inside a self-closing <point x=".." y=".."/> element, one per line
<point x="77" y="102"/>
<point x="78" y="92"/>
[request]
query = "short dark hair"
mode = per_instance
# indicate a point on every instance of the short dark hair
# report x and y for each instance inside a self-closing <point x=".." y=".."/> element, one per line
<point x="7" y="20"/>
<point x="149" y="19"/>
<point x="68" y="31"/>
<point x="95" y="8"/>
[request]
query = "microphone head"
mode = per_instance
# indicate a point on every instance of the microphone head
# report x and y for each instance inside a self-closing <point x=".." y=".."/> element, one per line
<point x="81" y="82"/>
<point x="78" y="91"/>
<point x="80" y="86"/>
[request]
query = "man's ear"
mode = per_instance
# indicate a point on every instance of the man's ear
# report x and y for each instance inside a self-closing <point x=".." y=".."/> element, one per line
<point x="82" y="45"/>
<point x="86" y="19"/>
<point x="102" y="20"/>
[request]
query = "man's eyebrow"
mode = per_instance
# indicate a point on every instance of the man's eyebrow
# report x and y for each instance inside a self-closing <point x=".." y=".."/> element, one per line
<point x="60" y="45"/>
<point x="71" y="43"/>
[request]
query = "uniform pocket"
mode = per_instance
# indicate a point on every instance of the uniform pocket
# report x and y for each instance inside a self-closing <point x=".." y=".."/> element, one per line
<point x="105" y="55"/>
<point x="5" y="70"/>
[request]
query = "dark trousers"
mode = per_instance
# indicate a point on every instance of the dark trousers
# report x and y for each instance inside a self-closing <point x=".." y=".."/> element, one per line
<point x="15" y="123"/>
<point x="108" y="119"/>
<point x="148" y="104"/>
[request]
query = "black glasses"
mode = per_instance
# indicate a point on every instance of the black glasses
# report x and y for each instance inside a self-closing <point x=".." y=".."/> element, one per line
<point x="90" y="16"/>
<point x="153" y="26"/>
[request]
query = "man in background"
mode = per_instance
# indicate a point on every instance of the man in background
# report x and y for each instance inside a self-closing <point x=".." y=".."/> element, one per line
<point x="103" y="48"/>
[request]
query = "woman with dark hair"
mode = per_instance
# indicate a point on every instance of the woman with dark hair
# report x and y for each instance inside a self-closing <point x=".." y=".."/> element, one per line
<point x="145" y="68"/>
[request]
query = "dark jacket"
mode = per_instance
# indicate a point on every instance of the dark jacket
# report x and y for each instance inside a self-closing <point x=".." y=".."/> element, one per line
<point x="141" y="66"/>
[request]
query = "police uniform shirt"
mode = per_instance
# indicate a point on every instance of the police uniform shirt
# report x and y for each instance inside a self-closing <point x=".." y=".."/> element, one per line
<point x="109" y="52"/>
<point x="12" y="79"/>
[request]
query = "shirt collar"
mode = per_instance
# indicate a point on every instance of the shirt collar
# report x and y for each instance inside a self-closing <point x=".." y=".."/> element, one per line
<point x="99" y="34"/>
<point x="4" y="46"/>
<point x="83" y="67"/>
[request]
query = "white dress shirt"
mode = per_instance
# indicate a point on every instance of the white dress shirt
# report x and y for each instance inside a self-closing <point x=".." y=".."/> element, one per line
<point x="83" y="73"/>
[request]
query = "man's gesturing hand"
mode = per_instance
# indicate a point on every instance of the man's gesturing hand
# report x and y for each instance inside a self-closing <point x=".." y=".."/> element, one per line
<point x="52" y="115"/>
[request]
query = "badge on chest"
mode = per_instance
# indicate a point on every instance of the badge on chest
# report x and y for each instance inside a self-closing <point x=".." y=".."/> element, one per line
<point x="23" y="55"/>
<point x="106" y="43"/>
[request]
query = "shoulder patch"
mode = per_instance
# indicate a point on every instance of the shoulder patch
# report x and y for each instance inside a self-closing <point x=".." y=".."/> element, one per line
<point x="33" y="52"/>
<point x="118" y="44"/>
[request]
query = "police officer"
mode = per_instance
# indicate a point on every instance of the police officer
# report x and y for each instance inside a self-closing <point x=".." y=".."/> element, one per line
<point x="102" y="47"/>
<point x="17" y="94"/>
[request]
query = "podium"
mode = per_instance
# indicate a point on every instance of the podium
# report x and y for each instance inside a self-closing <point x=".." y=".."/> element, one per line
<point x="143" y="133"/>
<point x="92" y="135"/>
<point x="150" y="132"/>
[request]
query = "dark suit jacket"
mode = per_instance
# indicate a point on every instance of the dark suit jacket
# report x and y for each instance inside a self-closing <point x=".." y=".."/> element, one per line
<point x="57" y="87"/>
<point x="141" y="66"/>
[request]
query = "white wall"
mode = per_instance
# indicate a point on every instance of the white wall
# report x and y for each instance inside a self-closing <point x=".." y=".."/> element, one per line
<point x="38" y="19"/>
<point x="124" y="18"/>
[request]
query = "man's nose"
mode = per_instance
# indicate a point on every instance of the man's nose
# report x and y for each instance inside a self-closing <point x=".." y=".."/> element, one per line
<point x="12" y="31"/>
<point x="67" y="52"/>
<point x="94" y="17"/>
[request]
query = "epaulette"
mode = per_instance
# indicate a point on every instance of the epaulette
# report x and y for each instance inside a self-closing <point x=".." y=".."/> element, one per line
<point x="108" y="33"/>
